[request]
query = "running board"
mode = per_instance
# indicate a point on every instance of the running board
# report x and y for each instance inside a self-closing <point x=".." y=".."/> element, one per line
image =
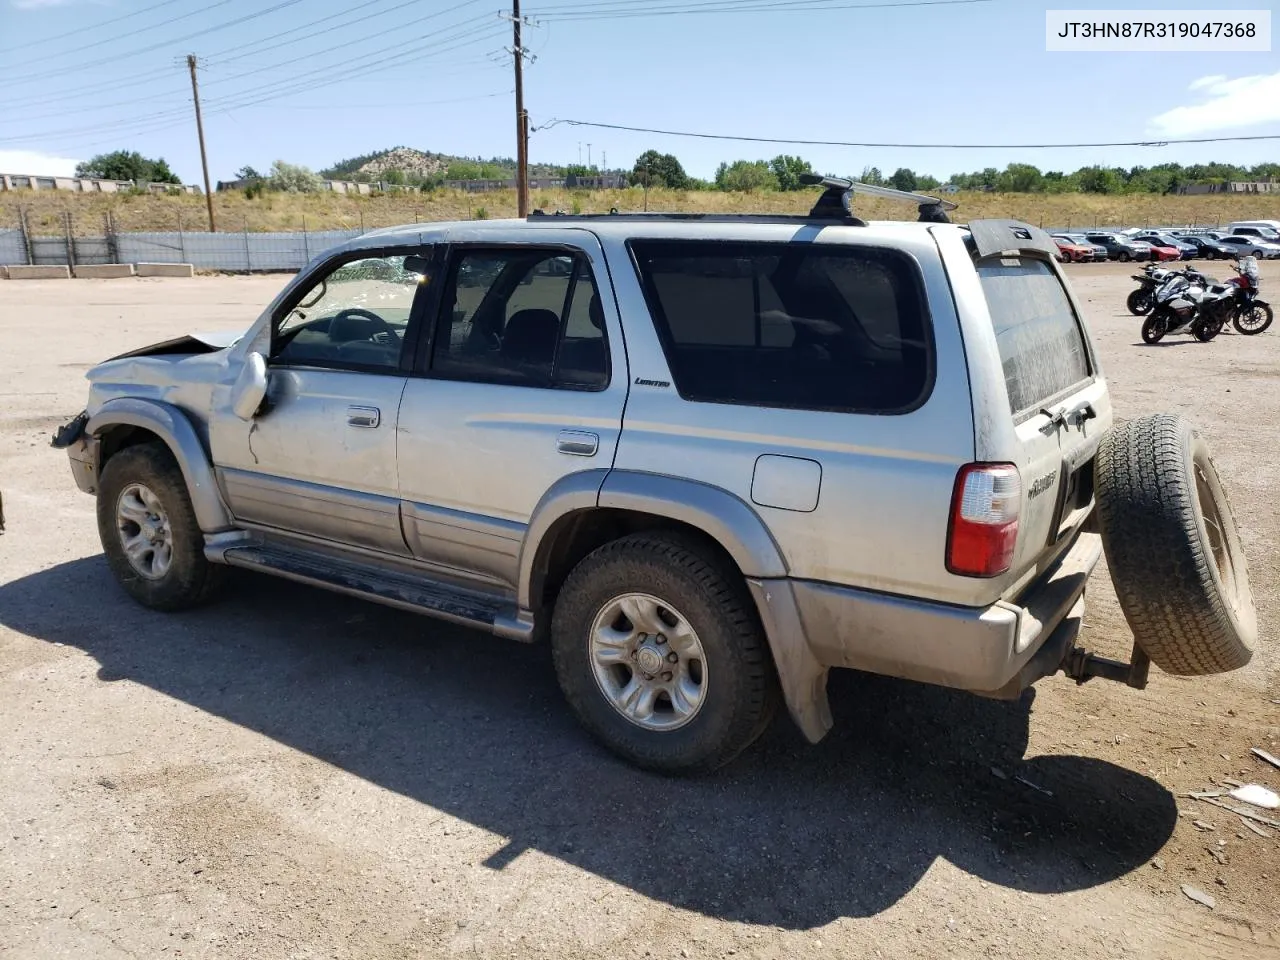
<point x="405" y="591"/>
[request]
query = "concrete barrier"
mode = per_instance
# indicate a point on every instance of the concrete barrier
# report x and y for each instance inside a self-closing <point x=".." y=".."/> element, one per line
<point x="103" y="271"/>
<point x="166" y="270"/>
<point x="18" y="271"/>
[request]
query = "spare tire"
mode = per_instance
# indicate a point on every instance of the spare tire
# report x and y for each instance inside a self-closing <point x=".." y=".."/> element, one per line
<point x="1173" y="549"/>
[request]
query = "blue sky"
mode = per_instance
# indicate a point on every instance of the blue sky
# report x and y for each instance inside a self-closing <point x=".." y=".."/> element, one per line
<point x="319" y="80"/>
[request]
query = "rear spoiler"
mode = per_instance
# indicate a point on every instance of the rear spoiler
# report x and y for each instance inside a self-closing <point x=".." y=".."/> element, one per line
<point x="837" y="200"/>
<point x="1009" y="238"/>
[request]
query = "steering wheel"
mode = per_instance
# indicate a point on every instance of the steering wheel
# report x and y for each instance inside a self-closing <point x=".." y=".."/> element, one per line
<point x="356" y="313"/>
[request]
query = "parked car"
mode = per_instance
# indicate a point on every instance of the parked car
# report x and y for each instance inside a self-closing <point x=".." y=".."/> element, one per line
<point x="1120" y="247"/>
<point x="1185" y="251"/>
<point x="1208" y="247"/>
<point x="1250" y="247"/>
<point x="1272" y="225"/>
<point x="1099" y="251"/>
<point x="1073" y="251"/>
<point x="1160" y="251"/>
<point x="451" y="440"/>
<point x="1265" y="234"/>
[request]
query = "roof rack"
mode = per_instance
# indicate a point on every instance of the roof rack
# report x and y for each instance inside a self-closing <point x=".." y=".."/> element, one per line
<point x="837" y="198"/>
<point x="613" y="214"/>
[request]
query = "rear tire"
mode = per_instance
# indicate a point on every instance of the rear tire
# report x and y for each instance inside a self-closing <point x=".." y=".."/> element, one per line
<point x="1173" y="549"/>
<point x="1204" y="332"/>
<point x="1139" y="302"/>
<point x="1124" y="256"/>
<point x="677" y="589"/>
<point x="149" y="531"/>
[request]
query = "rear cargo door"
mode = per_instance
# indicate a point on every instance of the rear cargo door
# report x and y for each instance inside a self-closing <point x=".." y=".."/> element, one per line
<point x="1056" y="401"/>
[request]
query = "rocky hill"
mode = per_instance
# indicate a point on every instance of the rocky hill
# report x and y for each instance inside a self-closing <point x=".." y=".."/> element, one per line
<point x="420" y="165"/>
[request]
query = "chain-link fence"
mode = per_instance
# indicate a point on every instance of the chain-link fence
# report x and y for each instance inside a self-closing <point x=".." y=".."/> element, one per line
<point x="40" y="241"/>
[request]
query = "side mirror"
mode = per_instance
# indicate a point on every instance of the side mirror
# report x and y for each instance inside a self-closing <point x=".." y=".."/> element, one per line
<point x="251" y="387"/>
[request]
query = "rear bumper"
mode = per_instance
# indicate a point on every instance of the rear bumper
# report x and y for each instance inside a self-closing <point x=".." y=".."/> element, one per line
<point x="997" y="650"/>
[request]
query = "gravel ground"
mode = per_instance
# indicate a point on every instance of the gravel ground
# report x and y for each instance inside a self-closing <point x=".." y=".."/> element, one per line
<point x="295" y="774"/>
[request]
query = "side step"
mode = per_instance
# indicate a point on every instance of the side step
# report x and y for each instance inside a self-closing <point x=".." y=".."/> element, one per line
<point x="445" y="601"/>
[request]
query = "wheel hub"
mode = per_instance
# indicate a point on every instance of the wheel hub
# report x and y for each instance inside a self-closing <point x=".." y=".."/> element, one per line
<point x="648" y="661"/>
<point x="144" y="531"/>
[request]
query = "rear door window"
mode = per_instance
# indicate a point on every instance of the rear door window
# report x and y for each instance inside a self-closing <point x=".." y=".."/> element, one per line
<point x="1041" y="342"/>
<point x="784" y="325"/>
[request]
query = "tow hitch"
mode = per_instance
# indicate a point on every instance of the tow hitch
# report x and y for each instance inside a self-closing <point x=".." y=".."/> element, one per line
<point x="1082" y="666"/>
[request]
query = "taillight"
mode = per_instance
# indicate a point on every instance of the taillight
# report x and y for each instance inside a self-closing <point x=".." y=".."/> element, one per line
<point x="984" y="519"/>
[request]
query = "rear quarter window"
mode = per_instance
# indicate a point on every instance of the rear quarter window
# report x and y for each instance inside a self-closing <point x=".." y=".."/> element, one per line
<point x="1040" y="339"/>
<point x="786" y="325"/>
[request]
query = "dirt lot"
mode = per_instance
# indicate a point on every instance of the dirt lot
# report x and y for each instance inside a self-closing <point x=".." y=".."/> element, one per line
<point x="295" y="774"/>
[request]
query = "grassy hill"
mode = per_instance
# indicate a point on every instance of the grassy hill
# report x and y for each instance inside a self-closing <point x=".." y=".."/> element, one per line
<point x="327" y="211"/>
<point x="420" y="165"/>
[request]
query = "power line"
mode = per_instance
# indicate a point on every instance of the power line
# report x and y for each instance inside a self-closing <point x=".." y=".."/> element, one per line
<point x="131" y="15"/>
<point x="123" y="36"/>
<point x="240" y="52"/>
<point x="904" y="146"/>
<point x="434" y="46"/>
<point x="612" y="11"/>
<point x="64" y="71"/>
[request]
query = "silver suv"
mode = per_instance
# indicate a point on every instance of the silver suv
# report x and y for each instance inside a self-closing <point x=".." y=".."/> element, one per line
<point x="707" y="458"/>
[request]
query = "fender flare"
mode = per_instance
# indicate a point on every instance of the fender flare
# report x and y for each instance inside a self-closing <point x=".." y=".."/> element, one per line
<point x="173" y="427"/>
<point x="737" y="528"/>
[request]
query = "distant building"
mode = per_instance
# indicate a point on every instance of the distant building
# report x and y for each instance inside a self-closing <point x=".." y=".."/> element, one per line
<point x="1231" y="186"/>
<point x="23" y="181"/>
<point x="948" y="188"/>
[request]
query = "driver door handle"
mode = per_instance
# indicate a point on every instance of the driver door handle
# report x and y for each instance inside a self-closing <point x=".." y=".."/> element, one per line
<point x="368" y="417"/>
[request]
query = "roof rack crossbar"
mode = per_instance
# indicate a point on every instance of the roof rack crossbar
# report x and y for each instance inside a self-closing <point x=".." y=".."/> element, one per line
<point x="837" y="198"/>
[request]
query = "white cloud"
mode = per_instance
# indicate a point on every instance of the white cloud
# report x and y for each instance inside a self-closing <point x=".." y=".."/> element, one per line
<point x="31" y="161"/>
<point x="1206" y="82"/>
<point x="1224" y="104"/>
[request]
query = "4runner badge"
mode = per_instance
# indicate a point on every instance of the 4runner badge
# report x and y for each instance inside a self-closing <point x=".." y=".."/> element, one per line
<point x="1042" y="484"/>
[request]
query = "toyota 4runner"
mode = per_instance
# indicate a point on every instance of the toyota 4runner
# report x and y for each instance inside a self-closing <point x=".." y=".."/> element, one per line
<point x="706" y="458"/>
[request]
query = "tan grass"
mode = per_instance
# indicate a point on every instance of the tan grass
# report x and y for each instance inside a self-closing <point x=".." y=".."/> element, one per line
<point x="327" y="211"/>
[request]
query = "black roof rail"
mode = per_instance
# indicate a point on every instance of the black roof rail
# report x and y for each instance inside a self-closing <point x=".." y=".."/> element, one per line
<point x="837" y="198"/>
<point x="542" y="215"/>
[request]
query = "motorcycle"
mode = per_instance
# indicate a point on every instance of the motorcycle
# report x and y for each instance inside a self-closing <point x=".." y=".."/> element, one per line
<point x="1183" y="304"/>
<point x="1141" y="301"/>
<point x="1251" y="315"/>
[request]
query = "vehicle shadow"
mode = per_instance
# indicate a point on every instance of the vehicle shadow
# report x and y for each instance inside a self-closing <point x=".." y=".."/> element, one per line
<point x="789" y="835"/>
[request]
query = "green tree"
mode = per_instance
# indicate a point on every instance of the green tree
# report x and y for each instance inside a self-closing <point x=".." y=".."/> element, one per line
<point x="1020" y="178"/>
<point x="394" y="177"/>
<point x="248" y="173"/>
<point x="127" y="165"/>
<point x="873" y="176"/>
<point x="745" y="176"/>
<point x="927" y="182"/>
<point x="292" y="178"/>
<point x="903" y="179"/>
<point x="1099" y="180"/>
<point x="787" y="169"/>
<point x="654" y="169"/>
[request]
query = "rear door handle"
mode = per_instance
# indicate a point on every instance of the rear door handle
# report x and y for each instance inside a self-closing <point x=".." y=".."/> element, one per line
<point x="577" y="443"/>
<point x="363" y="416"/>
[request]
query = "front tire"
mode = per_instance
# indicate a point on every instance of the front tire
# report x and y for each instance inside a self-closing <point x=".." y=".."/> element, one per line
<point x="660" y="652"/>
<point x="1125" y="256"/>
<point x="1254" y="319"/>
<point x="1154" y="328"/>
<point x="149" y="532"/>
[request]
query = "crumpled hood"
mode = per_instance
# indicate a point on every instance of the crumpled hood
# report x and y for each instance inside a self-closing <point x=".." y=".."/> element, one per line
<point x="192" y="343"/>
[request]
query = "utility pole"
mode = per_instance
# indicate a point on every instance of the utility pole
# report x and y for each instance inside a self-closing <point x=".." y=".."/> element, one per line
<point x="204" y="157"/>
<point x="588" y="156"/>
<point x="522" y="126"/>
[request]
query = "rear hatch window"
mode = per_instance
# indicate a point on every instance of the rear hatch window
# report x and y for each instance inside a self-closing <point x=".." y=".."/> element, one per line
<point x="816" y="327"/>
<point x="1041" y="343"/>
